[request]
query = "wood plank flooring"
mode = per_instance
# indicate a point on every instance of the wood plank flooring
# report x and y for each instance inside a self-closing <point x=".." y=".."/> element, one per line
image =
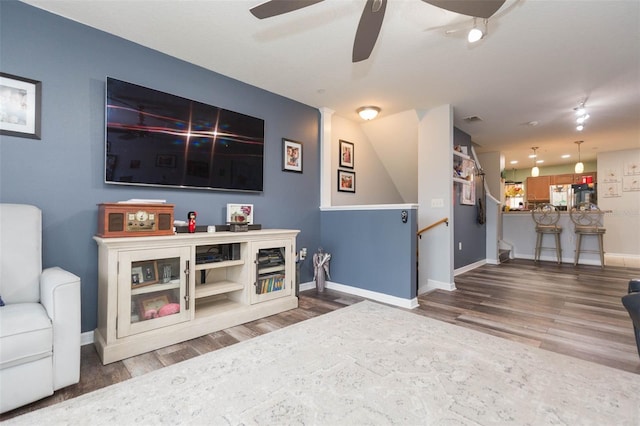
<point x="574" y="311"/>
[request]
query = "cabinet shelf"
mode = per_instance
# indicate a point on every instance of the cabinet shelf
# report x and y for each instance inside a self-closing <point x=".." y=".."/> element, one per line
<point x="271" y="269"/>
<point x="220" y="287"/>
<point x="214" y="265"/>
<point x="206" y="308"/>
<point x="156" y="287"/>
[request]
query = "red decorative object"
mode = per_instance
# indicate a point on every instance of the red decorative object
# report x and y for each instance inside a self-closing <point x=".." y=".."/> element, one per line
<point x="192" y="221"/>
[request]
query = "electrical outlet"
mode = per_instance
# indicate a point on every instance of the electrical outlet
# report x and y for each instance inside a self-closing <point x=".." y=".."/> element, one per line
<point x="303" y="253"/>
<point x="460" y="245"/>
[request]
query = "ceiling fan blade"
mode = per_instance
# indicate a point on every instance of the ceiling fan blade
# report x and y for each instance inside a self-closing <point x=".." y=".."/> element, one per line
<point x="368" y="29"/>
<point x="476" y="8"/>
<point x="278" y="7"/>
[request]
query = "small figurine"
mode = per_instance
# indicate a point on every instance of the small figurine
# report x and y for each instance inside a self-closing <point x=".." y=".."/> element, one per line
<point x="191" y="216"/>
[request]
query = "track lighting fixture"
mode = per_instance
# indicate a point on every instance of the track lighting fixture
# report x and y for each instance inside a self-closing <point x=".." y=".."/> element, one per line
<point x="535" y="171"/>
<point x="477" y="34"/>
<point x="368" y="112"/>
<point x="579" y="166"/>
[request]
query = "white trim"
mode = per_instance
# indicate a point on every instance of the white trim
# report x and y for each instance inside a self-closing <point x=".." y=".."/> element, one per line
<point x="622" y="259"/>
<point x="326" y="115"/>
<point x="86" y="338"/>
<point x="469" y="267"/>
<point x="436" y="285"/>
<point x="373" y="295"/>
<point x="370" y="207"/>
<point x="307" y="286"/>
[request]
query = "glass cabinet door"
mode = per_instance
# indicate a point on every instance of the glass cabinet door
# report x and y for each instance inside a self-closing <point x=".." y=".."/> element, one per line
<point x="274" y="275"/>
<point x="153" y="289"/>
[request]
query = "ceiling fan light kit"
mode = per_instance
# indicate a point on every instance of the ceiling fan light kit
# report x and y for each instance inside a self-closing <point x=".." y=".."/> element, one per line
<point x="476" y="34"/>
<point x="581" y="117"/>
<point x="368" y="112"/>
<point x="373" y="15"/>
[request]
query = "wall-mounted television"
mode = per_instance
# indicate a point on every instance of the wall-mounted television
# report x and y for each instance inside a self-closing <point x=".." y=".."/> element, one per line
<point x="158" y="139"/>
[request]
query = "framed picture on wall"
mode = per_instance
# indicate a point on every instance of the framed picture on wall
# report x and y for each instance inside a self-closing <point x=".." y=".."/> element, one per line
<point x="346" y="181"/>
<point x="468" y="194"/>
<point x="21" y="107"/>
<point x="346" y="154"/>
<point x="291" y="156"/>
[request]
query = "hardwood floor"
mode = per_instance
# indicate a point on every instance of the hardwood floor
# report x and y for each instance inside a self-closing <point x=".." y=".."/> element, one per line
<point x="574" y="311"/>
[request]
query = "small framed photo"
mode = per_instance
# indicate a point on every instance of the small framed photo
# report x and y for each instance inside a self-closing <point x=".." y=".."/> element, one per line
<point x="240" y="213"/>
<point x="143" y="274"/>
<point x="291" y="156"/>
<point x="346" y="154"/>
<point x="148" y="307"/>
<point x="21" y="106"/>
<point x="346" y="181"/>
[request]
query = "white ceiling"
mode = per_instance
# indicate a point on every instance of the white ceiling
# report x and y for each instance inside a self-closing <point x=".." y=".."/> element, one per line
<point x="539" y="61"/>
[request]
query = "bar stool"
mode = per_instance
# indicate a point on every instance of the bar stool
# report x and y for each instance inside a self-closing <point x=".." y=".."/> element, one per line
<point x="546" y="217"/>
<point x="587" y="218"/>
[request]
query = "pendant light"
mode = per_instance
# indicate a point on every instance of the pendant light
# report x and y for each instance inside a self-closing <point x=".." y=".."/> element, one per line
<point x="535" y="171"/>
<point x="579" y="166"/>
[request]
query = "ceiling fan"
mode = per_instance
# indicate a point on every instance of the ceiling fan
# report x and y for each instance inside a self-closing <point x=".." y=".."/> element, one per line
<point x="373" y="14"/>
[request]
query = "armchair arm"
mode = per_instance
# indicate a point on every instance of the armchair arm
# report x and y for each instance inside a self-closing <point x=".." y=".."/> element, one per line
<point x="60" y="296"/>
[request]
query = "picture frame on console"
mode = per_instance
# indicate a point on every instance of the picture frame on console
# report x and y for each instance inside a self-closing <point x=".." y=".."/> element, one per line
<point x="23" y="110"/>
<point x="143" y="274"/>
<point x="148" y="307"/>
<point x="240" y="213"/>
<point x="291" y="156"/>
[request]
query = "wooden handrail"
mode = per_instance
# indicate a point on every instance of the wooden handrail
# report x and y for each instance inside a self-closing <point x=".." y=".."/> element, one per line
<point x="425" y="229"/>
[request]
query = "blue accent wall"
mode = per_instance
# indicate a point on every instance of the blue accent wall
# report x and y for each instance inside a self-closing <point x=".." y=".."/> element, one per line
<point x="372" y="249"/>
<point x="63" y="172"/>
<point x="466" y="229"/>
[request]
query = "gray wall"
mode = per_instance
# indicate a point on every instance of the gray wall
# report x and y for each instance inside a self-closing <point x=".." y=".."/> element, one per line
<point x="372" y="249"/>
<point x="63" y="173"/>
<point x="466" y="229"/>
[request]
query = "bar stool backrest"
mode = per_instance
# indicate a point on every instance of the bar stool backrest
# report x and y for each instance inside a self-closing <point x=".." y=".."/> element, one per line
<point x="586" y="215"/>
<point x="545" y="215"/>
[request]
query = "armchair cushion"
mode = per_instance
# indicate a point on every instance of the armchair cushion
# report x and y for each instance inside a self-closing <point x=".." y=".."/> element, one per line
<point x="26" y="334"/>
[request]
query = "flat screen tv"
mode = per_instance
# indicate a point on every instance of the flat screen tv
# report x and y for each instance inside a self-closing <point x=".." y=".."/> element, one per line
<point x="158" y="139"/>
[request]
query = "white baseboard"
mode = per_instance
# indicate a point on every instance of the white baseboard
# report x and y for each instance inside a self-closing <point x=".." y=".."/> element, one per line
<point x="307" y="286"/>
<point x="86" y="338"/>
<point x="622" y="259"/>
<point x="469" y="267"/>
<point x="373" y="295"/>
<point x="436" y="285"/>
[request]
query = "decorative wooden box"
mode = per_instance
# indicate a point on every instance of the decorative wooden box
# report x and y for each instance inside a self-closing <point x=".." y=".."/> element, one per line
<point x="134" y="220"/>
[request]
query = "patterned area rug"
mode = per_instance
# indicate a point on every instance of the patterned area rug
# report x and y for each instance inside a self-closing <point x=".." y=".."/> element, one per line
<point x="364" y="364"/>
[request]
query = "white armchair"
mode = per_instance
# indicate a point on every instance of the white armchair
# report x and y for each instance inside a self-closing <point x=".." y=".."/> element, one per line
<point x="40" y="321"/>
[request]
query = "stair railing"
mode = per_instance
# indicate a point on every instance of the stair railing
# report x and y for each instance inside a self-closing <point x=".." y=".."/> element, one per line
<point x="444" y="220"/>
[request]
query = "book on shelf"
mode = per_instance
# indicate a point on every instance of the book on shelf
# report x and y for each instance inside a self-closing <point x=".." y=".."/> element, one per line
<point x="269" y="283"/>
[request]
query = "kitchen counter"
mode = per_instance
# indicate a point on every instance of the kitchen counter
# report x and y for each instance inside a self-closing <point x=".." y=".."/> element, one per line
<point x="519" y="231"/>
